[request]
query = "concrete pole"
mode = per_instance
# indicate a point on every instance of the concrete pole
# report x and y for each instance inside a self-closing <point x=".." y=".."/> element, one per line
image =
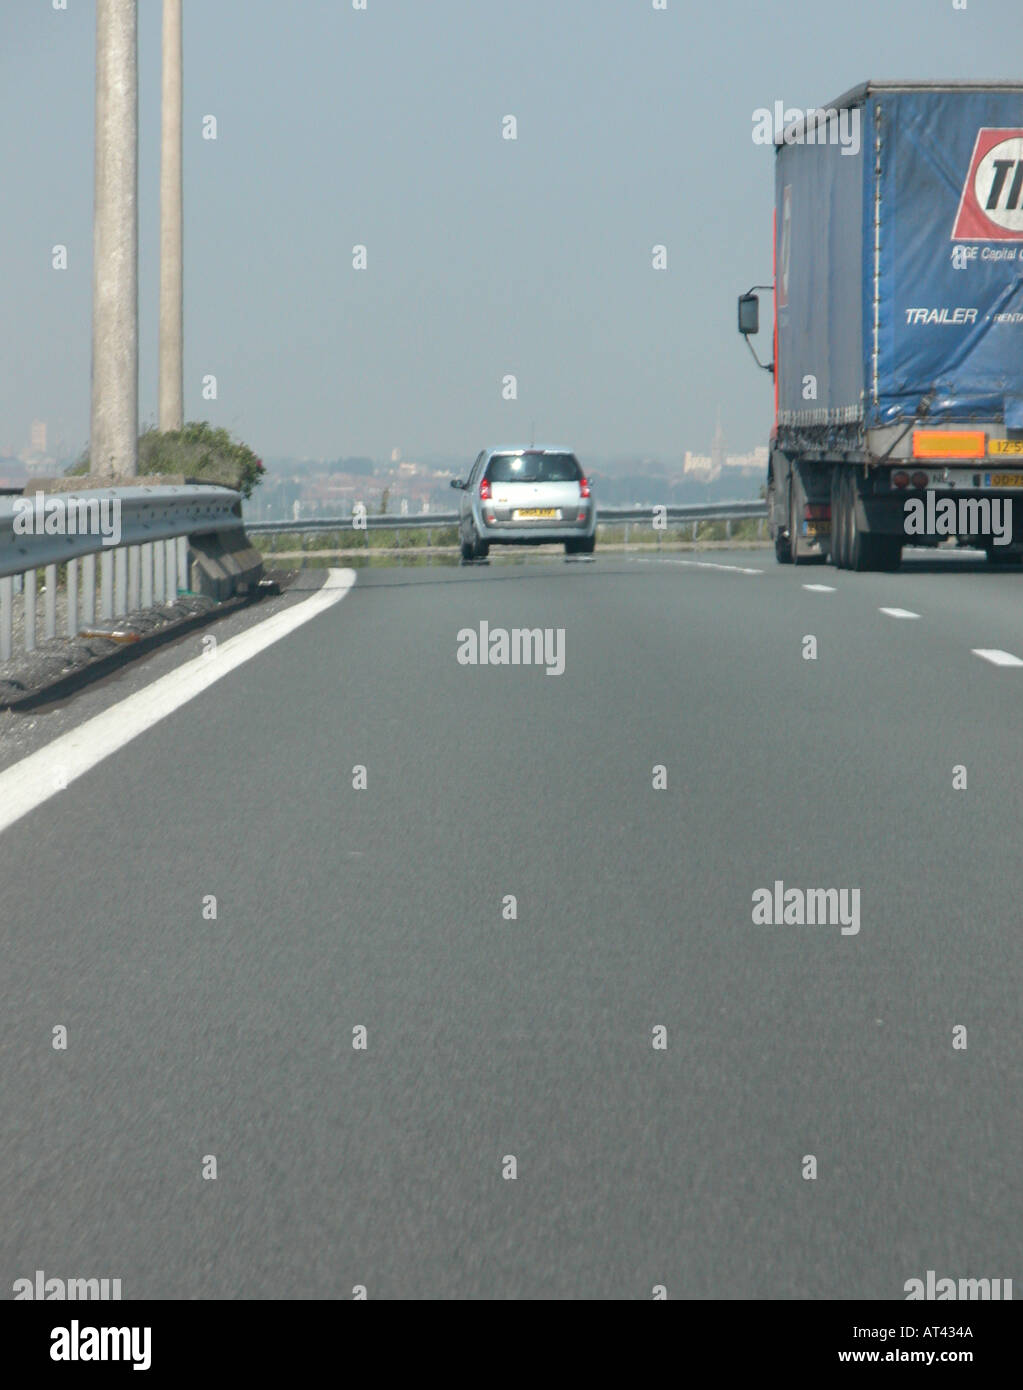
<point x="171" y="392"/>
<point x="113" y="444"/>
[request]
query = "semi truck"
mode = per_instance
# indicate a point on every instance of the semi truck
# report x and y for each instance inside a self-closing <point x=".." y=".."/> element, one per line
<point x="897" y="352"/>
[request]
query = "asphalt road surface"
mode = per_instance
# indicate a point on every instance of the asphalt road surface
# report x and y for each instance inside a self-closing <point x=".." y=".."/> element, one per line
<point x="491" y="1038"/>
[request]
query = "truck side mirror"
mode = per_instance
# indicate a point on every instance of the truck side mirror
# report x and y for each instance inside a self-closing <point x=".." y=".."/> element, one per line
<point x="456" y="482"/>
<point x="749" y="315"/>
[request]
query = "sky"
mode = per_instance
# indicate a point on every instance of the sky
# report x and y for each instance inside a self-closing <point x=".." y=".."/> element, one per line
<point x="486" y="257"/>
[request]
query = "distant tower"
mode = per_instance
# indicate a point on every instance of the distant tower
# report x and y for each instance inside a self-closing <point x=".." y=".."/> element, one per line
<point x="38" y="436"/>
<point x="717" y="449"/>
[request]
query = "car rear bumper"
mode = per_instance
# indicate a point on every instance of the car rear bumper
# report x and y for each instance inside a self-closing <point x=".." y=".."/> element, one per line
<point x="534" y="532"/>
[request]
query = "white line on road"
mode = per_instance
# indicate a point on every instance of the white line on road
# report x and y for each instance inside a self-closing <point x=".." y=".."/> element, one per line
<point x="701" y="565"/>
<point x="820" y="588"/>
<point x="996" y="657"/>
<point x="898" y="613"/>
<point x="41" y="775"/>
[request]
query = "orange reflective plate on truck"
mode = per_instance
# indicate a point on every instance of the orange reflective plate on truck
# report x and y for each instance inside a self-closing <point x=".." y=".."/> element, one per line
<point x="949" y="444"/>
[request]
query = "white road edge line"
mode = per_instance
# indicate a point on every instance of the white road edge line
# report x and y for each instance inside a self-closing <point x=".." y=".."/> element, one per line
<point x="996" y="657"/>
<point x="898" y="613"/>
<point x="27" y="784"/>
<point x="820" y="588"/>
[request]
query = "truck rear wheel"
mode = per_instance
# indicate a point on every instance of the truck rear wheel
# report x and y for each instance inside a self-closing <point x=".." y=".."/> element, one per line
<point x="782" y="548"/>
<point x="864" y="550"/>
<point x="840" y="519"/>
<point x="793" y="523"/>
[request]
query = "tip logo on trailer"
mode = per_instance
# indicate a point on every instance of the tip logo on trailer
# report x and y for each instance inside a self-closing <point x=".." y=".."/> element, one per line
<point x="991" y="206"/>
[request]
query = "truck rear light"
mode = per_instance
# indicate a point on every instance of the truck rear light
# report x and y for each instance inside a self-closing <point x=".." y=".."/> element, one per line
<point x="817" y="511"/>
<point x="484" y="489"/>
<point x="584" y="487"/>
<point x="919" y="480"/>
<point x="900" y="479"/>
<point x="580" y="515"/>
<point x="949" y="444"/>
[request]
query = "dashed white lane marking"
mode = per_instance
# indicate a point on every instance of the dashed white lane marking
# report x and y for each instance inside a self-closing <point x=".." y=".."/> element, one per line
<point x="996" y="657"/>
<point x="41" y="775"/>
<point x="700" y="565"/>
<point x="820" y="588"/>
<point x="898" y="613"/>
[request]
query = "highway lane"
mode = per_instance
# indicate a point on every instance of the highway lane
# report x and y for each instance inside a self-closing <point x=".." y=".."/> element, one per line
<point x="382" y="908"/>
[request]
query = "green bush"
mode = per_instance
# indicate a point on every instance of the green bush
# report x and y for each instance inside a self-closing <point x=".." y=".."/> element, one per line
<point x="200" y="452"/>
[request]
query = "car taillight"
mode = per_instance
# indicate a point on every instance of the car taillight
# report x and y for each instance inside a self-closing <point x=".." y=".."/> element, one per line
<point x="584" y="487"/>
<point x="900" y="479"/>
<point x="484" y="489"/>
<point x="919" y="480"/>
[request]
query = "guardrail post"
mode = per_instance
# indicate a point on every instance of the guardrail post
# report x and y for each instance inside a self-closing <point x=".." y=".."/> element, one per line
<point x="696" y="527"/>
<point x="30" y="610"/>
<point x="89" y="590"/>
<point x="171" y="569"/>
<point x="146" y="565"/>
<point x="760" y="529"/>
<point x="728" y="528"/>
<point x="72" y="598"/>
<point x="106" y="585"/>
<point x="133" y="578"/>
<point x="182" y="570"/>
<point x="6" y="616"/>
<point x="120" y="582"/>
<point x="159" y="580"/>
<point x="50" y="619"/>
<point x="626" y="535"/>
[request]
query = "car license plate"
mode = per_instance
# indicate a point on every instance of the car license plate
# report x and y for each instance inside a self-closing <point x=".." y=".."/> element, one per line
<point x="1006" y="480"/>
<point x="536" y="514"/>
<point x="1005" y="446"/>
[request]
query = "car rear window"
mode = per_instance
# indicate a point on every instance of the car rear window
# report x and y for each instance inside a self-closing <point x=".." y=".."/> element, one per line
<point x="530" y="467"/>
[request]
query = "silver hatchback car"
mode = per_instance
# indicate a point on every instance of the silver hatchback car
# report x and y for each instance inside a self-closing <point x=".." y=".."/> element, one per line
<point x="526" y="496"/>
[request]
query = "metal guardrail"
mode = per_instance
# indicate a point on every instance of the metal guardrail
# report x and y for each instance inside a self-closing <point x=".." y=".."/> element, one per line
<point x="606" y="516"/>
<point x="151" y="551"/>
